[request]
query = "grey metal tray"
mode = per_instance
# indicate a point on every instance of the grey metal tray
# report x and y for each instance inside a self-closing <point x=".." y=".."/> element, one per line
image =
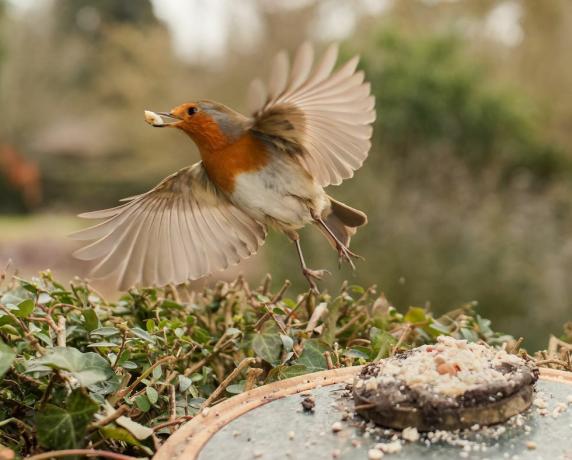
<point x="268" y="423"/>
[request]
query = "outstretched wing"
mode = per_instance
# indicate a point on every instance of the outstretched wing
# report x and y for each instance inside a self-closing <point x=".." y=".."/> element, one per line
<point x="182" y="229"/>
<point x="329" y="114"/>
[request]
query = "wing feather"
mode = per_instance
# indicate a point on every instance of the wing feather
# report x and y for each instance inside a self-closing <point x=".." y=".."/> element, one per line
<point x="183" y="229"/>
<point x="322" y="114"/>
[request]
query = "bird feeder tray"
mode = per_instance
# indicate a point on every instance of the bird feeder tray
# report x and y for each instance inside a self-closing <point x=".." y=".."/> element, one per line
<point x="269" y="422"/>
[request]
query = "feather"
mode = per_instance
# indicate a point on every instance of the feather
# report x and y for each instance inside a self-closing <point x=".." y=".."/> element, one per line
<point x="181" y="230"/>
<point x="330" y="112"/>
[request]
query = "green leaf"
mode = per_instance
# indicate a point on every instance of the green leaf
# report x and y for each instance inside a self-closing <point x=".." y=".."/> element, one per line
<point x="312" y="356"/>
<point x="103" y="344"/>
<point x="91" y="321"/>
<point x="106" y="331"/>
<point x="415" y="315"/>
<point x="25" y="308"/>
<point x="141" y="334"/>
<point x="184" y="383"/>
<point x="235" y="388"/>
<point x="267" y="345"/>
<point x="285" y="372"/>
<point x="382" y="343"/>
<point x="64" y="428"/>
<point x="287" y="342"/>
<point x="129" y="365"/>
<point x="157" y="372"/>
<point x="143" y="403"/>
<point x="118" y="434"/>
<point x="7" y="356"/>
<point x="357" y="352"/>
<point x="136" y="429"/>
<point x="88" y="368"/>
<point x="152" y="394"/>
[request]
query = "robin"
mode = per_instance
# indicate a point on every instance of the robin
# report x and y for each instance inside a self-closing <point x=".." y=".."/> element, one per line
<point x="310" y="128"/>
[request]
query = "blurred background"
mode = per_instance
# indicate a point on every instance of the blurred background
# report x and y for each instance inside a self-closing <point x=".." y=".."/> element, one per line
<point x="468" y="184"/>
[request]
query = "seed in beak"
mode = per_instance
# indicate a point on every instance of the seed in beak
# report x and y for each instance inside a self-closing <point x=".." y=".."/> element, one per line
<point x="154" y="119"/>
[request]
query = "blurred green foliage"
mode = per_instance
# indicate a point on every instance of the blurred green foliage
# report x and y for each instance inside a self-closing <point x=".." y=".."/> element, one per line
<point x="432" y="98"/>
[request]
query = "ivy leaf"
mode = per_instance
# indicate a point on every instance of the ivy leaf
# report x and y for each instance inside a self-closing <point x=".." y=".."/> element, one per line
<point x="91" y="321"/>
<point x="313" y="355"/>
<point x="7" y="356"/>
<point x="87" y="368"/>
<point x="267" y="345"/>
<point x="64" y="428"/>
<point x="235" y="388"/>
<point x="141" y="334"/>
<point x="415" y="315"/>
<point x="143" y="403"/>
<point x="285" y="372"/>
<point x="25" y="308"/>
<point x="382" y="343"/>
<point x="152" y="394"/>
<point x="184" y="383"/>
<point x="106" y="331"/>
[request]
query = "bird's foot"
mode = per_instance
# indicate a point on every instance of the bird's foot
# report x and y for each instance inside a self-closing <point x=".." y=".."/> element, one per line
<point x="344" y="254"/>
<point x="313" y="275"/>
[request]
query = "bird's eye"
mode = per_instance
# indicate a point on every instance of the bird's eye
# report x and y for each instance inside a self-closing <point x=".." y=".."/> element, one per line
<point x="192" y="110"/>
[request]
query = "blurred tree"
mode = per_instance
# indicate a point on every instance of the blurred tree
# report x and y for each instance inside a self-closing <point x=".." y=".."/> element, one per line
<point x="90" y="17"/>
<point x="433" y="99"/>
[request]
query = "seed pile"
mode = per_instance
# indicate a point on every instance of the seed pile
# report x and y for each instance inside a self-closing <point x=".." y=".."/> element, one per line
<point x="450" y="368"/>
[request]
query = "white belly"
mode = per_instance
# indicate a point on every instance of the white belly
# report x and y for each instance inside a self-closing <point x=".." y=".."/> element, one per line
<point x="280" y="192"/>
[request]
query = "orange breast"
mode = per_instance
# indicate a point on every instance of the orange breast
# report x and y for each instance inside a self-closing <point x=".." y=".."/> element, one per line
<point x="223" y="165"/>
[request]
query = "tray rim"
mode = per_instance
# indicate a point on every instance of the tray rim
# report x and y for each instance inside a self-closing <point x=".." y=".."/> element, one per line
<point x="188" y="441"/>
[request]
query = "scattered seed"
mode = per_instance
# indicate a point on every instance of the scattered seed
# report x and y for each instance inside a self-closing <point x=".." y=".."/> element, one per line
<point x="530" y="445"/>
<point x="410" y="434"/>
<point x="337" y="427"/>
<point x="374" y="454"/>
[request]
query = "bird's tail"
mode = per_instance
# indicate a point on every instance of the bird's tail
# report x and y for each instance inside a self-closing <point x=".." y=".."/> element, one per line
<point x="343" y="221"/>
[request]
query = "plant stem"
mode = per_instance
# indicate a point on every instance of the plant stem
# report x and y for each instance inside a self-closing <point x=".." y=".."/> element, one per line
<point x="86" y="452"/>
<point x="143" y="376"/>
<point x="111" y="418"/>
<point x="246" y="362"/>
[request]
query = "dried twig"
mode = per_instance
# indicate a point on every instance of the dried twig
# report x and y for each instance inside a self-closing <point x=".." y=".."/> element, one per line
<point x="86" y="452"/>
<point x="111" y="418"/>
<point x="246" y="362"/>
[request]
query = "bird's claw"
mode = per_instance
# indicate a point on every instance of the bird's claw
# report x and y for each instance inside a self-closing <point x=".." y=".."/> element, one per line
<point x="312" y="276"/>
<point x="344" y="254"/>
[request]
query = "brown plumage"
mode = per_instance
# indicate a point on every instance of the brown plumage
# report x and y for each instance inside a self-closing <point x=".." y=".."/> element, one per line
<point x="310" y="128"/>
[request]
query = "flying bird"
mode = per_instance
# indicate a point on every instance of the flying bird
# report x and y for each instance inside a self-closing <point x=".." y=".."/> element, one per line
<point x="310" y="127"/>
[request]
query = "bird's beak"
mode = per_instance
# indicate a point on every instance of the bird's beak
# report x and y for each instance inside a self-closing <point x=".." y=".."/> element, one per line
<point x="156" y="119"/>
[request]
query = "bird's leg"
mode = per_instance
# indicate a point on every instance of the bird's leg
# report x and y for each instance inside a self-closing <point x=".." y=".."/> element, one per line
<point x="344" y="252"/>
<point x="310" y="275"/>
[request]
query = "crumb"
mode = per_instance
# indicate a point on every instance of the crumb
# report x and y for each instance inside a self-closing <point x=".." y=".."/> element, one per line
<point x="337" y="427"/>
<point x="390" y="447"/>
<point x="530" y="445"/>
<point x="410" y="434"/>
<point x="540" y="403"/>
<point x="336" y="453"/>
<point x="569" y="399"/>
<point x="235" y="434"/>
<point x="291" y="435"/>
<point x="374" y="454"/>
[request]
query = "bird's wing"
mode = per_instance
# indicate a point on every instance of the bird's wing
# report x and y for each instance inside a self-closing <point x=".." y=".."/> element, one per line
<point x="182" y="229"/>
<point x="325" y="116"/>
